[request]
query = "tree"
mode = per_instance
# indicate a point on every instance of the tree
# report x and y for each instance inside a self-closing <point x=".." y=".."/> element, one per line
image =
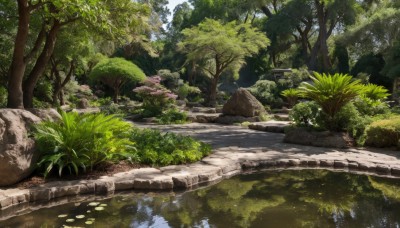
<point x="222" y="48"/>
<point x="115" y="72"/>
<point x="53" y="15"/>
<point x="71" y="55"/>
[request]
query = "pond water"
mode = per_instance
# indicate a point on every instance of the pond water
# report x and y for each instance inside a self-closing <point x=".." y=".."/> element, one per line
<point x="291" y="198"/>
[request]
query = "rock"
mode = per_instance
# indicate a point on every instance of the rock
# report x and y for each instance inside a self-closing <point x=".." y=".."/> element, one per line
<point x="306" y="137"/>
<point x="87" y="110"/>
<point x="46" y="114"/>
<point x="83" y="103"/>
<point x="236" y="119"/>
<point x="243" y="103"/>
<point x="17" y="150"/>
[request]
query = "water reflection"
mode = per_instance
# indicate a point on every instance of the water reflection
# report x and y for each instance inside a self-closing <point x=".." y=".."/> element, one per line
<point x="309" y="198"/>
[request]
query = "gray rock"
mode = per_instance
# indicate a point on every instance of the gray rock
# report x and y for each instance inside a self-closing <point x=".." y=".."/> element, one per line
<point x="17" y="150"/>
<point x="83" y="103"/>
<point x="236" y="119"/>
<point x="243" y="103"/>
<point x="304" y="136"/>
<point x="46" y="114"/>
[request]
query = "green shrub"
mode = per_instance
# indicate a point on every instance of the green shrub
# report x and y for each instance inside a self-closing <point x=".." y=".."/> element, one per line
<point x="79" y="142"/>
<point x="156" y="148"/>
<point x="156" y="98"/>
<point x="172" y="116"/>
<point x="384" y="133"/>
<point x="265" y="91"/>
<point x="185" y="90"/>
<point x="306" y="114"/>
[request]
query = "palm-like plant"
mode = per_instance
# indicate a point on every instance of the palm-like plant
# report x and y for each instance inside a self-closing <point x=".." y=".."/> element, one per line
<point x="331" y="92"/>
<point x="81" y="141"/>
<point x="292" y="95"/>
<point x="375" y="92"/>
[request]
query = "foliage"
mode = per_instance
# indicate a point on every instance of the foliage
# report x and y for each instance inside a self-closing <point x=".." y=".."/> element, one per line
<point x="384" y="133"/>
<point x="220" y="48"/>
<point x="3" y="96"/>
<point x="156" y="97"/>
<point x="306" y="114"/>
<point x="331" y="92"/>
<point x="371" y="101"/>
<point x="115" y="72"/>
<point x="169" y="79"/>
<point x="79" y="142"/>
<point x="186" y="90"/>
<point x="291" y="95"/>
<point x="156" y="148"/>
<point x="265" y="91"/>
<point x="172" y="116"/>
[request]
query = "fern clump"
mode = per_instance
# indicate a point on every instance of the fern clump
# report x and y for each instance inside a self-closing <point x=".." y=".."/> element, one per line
<point x="78" y="142"/>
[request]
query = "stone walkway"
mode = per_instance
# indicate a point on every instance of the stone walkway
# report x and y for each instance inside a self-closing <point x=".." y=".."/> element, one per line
<point x="235" y="149"/>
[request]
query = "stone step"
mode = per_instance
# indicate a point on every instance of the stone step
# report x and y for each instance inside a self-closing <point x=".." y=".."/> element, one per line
<point x="281" y="117"/>
<point x="270" y="126"/>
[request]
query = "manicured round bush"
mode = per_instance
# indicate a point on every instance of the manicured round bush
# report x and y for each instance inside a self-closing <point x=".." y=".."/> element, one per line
<point x="384" y="133"/>
<point x="115" y="72"/>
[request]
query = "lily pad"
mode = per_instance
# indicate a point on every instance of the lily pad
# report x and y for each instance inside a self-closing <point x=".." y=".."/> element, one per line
<point x="62" y="216"/>
<point x="93" y="204"/>
<point x="103" y="205"/>
<point x="70" y="220"/>
<point x="91" y="219"/>
<point x="89" y="222"/>
<point x="80" y="216"/>
<point x="99" y="208"/>
<point x="88" y="211"/>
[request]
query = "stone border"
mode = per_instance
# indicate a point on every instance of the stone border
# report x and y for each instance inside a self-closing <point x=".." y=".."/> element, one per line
<point x="209" y="170"/>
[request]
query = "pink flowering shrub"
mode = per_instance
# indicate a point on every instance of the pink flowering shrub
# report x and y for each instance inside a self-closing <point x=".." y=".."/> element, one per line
<point x="156" y="97"/>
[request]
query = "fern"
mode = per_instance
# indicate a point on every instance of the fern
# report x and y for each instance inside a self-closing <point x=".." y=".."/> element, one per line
<point x="79" y="142"/>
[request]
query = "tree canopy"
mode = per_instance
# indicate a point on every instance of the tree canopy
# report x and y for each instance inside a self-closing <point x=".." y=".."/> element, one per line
<point x="220" y="48"/>
<point x="115" y="72"/>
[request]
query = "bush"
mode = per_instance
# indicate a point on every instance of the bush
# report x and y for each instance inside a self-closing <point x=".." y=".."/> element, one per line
<point x="265" y="91"/>
<point x="384" y="133"/>
<point x="156" y="98"/>
<point x="185" y="90"/>
<point x="156" y="148"/>
<point x="79" y="142"/>
<point x="172" y="116"/>
<point x="306" y="114"/>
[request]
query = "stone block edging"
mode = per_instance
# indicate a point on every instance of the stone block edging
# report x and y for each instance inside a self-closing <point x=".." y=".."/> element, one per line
<point x="181" y="177"/>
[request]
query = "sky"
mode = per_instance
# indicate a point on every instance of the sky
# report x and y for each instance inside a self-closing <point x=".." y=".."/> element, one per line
<point x="171" y="6"/>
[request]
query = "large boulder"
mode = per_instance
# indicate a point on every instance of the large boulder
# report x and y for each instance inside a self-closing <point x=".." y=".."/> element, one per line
<point x="17" y="149"/>
<point x="46" y="114"/>
<point x="243" y="103"/>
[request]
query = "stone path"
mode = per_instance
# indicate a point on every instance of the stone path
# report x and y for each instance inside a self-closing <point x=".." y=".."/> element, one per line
<point x="235" y="149"/>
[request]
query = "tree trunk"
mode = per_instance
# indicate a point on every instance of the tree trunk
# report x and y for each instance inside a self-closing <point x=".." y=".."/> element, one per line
<point x="18" y="64"/>
<point x="321" y="47"/>
<point x="40" y="65"/>
<point x="59" y="86"/>
<point x="116" y="92"/>
<point x="212" y="100"/>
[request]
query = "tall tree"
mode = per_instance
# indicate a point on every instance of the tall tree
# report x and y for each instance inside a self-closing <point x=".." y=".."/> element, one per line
<point x="98" y="15"/>
<point x="221" y="48"/>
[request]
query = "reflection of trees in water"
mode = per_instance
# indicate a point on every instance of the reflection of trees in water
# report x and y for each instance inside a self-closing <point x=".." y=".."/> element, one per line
<point x="308" y="198"/>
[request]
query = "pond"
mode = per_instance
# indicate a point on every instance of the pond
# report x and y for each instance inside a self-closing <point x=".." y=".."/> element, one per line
<point x="291" y="198"/>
